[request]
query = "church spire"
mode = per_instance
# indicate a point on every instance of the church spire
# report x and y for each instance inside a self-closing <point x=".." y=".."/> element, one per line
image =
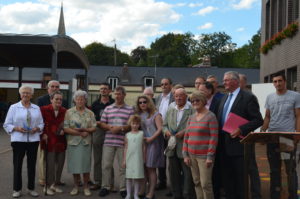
<point x="61" y="27"/>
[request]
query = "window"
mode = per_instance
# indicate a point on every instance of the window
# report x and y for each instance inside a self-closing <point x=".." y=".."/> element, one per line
<point x="281" y="15"/>
<point x="113" y="81"/>
<point x="293" y="10"/>
<point x="267" y="36"/>
<point x="291" y="78"/>
<point x="80" y="81"/>
<point x="148" y="82"/>
<point x="274" y="17"/>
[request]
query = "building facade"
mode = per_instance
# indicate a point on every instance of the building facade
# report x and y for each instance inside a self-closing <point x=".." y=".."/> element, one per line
<point x="283" y="47"/>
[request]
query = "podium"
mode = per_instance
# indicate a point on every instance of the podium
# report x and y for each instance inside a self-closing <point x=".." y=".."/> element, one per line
<point x="264" y="138"/>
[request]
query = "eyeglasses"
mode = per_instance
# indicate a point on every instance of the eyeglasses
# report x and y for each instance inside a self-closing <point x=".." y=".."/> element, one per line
<point x="165" y="84"/>
<point x="196" y="100"/>
<point x="54" y="86"/>
<point x="143" y="102"/>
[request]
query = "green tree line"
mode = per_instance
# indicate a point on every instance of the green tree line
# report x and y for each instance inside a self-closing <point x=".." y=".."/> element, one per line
<point x="181" y="50"/>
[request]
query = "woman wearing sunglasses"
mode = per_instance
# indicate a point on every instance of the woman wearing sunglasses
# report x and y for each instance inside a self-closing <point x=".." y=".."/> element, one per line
<point x="151" y="126"/>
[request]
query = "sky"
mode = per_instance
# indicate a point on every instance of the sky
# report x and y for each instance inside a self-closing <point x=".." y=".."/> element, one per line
<point x="132" y="23"/>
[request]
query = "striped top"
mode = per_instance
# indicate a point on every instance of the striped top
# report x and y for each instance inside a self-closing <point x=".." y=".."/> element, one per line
<point x="201" y="137"/>
<point x="116" y="116"/>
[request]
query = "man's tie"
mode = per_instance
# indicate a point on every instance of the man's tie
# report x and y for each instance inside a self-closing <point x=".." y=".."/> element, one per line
<point x="225" y="109"/>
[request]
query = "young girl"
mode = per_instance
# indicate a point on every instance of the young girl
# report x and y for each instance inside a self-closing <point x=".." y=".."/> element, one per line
<point x="134" y="154"/>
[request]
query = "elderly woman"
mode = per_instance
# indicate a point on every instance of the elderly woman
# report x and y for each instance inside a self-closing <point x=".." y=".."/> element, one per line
<point x="152" y="127"/>
<point x="24" y="123"/>
<point x="199" y="145"/>
<point x="54" y="141"/>
<point x="79" y="124"/>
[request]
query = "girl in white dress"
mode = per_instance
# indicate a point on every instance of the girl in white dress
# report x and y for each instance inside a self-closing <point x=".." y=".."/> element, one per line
<point x="134" y="154"/>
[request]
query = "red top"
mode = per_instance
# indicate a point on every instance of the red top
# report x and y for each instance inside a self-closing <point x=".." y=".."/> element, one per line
<point x="56" y="143"/>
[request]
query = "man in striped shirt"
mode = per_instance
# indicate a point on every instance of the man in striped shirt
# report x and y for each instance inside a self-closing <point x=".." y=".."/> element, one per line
<point x="114" y="122"/>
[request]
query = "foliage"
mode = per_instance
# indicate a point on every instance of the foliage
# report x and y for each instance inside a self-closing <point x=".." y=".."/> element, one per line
<point x="172" y="50"/>
<point x="215" y="45"/>
<point x="100" y="54"/>
<point x="182" y="50"/>
<point x="139" y="56"/>
<point x="287" y="32"/>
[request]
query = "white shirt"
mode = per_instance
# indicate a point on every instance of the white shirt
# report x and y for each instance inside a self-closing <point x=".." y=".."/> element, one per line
<point x="180" y="112"/>
<point x="234" y="95"/>
<point x="164" y="104"/>
<point x="17" y="117"/>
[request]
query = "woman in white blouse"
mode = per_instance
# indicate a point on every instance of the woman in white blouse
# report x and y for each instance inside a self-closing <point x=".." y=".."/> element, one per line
<point x="24" y="124"/>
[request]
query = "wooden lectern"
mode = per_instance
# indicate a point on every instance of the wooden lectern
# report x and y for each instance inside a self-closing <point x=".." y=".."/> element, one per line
<point x="264" y="138"/>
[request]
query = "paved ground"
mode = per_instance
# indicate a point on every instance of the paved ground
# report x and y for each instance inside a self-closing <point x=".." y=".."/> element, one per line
<point x="6" y="175"/>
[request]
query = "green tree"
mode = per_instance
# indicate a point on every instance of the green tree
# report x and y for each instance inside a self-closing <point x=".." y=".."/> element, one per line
<point x="248" y="56"/>
<point x="215" y="45"/>
<point x="100" y="54"/>
<point x="139" y="56"/>
<point x="172" y="50"/>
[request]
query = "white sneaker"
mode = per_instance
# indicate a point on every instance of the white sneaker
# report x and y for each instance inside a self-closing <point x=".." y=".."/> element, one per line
<point x="49" y="191"/>
<point x="16" y="194"/>
<point x="33" y="193"/>
<point x="87" y="192"/>
<point x="74" y="191"/>
<point x="56" y="189"/>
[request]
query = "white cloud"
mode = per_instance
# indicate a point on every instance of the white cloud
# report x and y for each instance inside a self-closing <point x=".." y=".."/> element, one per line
<point x="241" y="29"/>
<point x="206" y="26"/>
<point x="131" y="23"/>
<point x="193" y="5"/>
<point x="244" y="4"/>
<point x="206" y="10"/>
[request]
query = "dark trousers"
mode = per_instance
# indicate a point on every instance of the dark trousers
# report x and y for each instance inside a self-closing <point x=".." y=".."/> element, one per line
<point x="216" y="176"/>
<point x="19" y="151"/>
<point x="233" y="176"/>
<point x="255" y="184"/>
<point x="274" y="159"/>
<point x="182" y="185"/>
<point x="162" y="174"/>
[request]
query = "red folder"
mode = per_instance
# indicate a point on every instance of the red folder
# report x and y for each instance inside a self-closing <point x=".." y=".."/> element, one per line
<point x="233" y="122"/>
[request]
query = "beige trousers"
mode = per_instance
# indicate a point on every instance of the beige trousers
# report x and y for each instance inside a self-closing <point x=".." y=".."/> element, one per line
<point x="108" y="156"/>
<point x="42" y="165"/>
<point x="202" y="177"/>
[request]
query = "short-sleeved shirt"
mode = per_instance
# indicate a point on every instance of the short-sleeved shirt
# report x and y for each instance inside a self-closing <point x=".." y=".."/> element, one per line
<point x="282" y="114"/>
<point x="98" y="107"/>
<point x="116" y="116"/>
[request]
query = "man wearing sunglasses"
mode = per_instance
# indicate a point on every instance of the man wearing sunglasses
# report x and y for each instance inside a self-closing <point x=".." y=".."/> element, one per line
<point x="162" y="103"/>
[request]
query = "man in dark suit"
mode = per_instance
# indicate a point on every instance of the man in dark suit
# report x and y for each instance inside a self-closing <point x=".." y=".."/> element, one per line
<point x="52" y="87"/>
<point x="245" y="105"/>
<point x="162" y="103"/>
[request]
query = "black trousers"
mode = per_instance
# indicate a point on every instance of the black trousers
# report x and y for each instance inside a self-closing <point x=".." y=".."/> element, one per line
<point x="19" y="151"/>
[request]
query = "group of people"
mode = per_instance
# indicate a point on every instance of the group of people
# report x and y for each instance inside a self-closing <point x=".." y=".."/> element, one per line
<point x="173" y="132"/>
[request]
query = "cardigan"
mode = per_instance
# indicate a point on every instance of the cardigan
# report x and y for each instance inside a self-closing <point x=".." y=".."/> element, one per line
<point x="56" y="143"/>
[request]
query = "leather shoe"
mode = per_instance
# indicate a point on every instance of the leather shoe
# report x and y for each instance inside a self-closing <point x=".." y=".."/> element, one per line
<point x="103" y="192"/>
<point x="95" y="187"/>
<point x="160" y="186"/>
<point x="123" y="194"/>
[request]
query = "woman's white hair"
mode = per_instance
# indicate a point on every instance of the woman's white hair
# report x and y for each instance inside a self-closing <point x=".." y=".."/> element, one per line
<point x="26" y="87"/>
<point x="80" y="93"/>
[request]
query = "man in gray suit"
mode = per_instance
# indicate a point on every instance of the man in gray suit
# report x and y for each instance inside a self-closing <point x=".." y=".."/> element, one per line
<point x="174" y="125"/>
<point x="162" y="103"/>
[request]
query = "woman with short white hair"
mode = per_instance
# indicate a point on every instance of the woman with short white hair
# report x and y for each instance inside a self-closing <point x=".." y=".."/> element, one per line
<point x="79" y="124"/>
<point x="24" y="124"/>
